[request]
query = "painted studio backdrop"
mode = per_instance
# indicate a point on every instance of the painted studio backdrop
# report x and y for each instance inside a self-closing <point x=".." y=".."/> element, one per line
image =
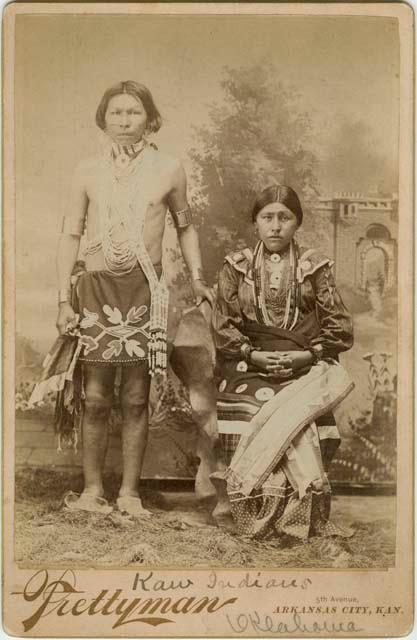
<point x="311" y="102"/>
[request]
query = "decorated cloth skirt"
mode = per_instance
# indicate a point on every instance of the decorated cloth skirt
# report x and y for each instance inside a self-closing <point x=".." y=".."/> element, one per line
<point x="279" y="438"/>
<point x="114" y="317"/>
<point x="112" y="331"/>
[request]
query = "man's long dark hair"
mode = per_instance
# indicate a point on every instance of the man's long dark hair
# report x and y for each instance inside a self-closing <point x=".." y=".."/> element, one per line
<point x="138" y="91"/>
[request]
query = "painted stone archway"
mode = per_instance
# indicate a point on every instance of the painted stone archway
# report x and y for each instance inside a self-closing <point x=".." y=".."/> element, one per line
<point x="376" y="260"/>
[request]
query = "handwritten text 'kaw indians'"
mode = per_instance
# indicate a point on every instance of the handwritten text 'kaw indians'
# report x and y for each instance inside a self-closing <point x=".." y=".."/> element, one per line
<point x="61" y="597"/>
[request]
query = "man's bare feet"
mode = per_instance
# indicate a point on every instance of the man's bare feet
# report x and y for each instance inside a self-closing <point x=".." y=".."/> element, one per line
<point x="87" y="502"/>
<point x="132" y="505"/>
<point x="222" y="513"/>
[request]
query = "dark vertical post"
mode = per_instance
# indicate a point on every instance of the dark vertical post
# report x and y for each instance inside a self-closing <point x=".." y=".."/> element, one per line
<point x="335" y="230"/>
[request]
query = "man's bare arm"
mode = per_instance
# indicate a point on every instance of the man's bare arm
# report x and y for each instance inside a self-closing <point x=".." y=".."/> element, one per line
<point x="68" y="247"/>
<point x="72" y="229"/>
<point x="188" y="236"/>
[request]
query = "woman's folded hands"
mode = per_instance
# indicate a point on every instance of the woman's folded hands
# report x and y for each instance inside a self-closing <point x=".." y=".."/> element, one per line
<point x="279" y="363"/>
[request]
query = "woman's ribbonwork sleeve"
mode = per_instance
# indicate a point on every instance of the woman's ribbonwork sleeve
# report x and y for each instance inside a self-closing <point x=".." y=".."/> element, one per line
<point x="227" y="314"/>
<point x="336" y="326"/>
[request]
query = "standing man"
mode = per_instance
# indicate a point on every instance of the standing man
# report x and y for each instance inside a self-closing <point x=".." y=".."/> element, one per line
<point x="121" y="300"/>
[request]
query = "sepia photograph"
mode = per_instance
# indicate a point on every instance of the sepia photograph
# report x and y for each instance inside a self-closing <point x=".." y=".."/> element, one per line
<point x="208" y="223"/>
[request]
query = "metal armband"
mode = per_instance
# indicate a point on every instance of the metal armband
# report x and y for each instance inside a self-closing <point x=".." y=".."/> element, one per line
<point x="182" y="218"/>
<point x="64" y="295"/>
<point x="72" y="227"/>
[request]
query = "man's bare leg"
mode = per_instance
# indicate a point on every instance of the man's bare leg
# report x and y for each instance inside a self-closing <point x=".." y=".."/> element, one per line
<point x="134" y="398"/>
<point x="194" y="368"/>
<point x="99" y="389"/>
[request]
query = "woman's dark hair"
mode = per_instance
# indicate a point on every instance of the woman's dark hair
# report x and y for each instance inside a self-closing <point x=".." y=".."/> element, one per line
<point x="138" y="91"/>
<point x="278" y="193"/>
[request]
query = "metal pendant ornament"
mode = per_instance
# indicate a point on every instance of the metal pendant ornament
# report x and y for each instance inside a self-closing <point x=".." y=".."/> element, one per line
<point x="275" y="270"/>
<point x="122" y="160"/>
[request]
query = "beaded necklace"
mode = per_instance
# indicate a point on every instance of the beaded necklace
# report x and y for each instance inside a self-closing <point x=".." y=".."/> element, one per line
<point x="123" y="204"/>
<point x="122" y="164"/>
<point x="276" y="277"/>
<point x="263" y="286"/>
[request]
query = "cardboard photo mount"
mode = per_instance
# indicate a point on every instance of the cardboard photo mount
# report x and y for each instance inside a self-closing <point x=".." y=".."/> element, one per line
<point x="149" y="601"/>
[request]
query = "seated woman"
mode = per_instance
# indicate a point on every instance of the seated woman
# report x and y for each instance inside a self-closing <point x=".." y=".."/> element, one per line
<point x="279" y="325"/>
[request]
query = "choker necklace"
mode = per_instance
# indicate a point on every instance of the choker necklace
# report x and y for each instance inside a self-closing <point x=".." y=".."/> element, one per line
<point x="277" y="255"/>
<point x="123" y="154"/>
<point x="124" y="160"/>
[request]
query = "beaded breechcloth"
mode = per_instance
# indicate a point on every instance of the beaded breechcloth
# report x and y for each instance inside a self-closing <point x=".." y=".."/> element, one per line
<point x="114" y="317"/>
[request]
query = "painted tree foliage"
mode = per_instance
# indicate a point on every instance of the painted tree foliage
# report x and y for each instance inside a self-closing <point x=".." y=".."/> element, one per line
<point x="353" y="161"/>
<point x="258" y="135"/>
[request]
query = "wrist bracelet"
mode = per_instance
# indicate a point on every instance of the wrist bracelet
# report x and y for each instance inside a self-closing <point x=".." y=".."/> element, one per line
<point x="317" y="353"/>
<point x="64" y="295"/>
<point x="246" y="351"/>
<point x="197" y="274"/>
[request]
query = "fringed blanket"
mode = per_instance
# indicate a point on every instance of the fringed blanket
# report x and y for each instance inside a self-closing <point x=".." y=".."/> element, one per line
<point x="62" y="374"/>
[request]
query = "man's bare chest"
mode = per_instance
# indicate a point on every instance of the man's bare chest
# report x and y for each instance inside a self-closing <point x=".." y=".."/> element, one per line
<point x="149" y="207"/>
<point x="149" y="187"/>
